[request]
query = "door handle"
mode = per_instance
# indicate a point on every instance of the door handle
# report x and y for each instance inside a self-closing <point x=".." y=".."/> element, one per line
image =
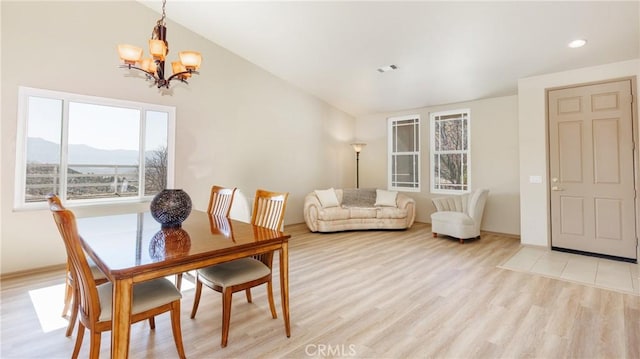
<point x="556" y="188"/>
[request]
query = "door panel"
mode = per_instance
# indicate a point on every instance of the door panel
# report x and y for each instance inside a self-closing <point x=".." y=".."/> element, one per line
<point x="570" y="143"/>
<point x="572" y="210"/>
<point x="592" y="169"/>
<point x="606" y="151"/>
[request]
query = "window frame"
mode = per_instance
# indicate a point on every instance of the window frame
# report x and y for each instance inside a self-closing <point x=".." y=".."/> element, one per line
<point x="24" y="93"/>
<point x="433" y="152"/>
<point x="390" y="152"/>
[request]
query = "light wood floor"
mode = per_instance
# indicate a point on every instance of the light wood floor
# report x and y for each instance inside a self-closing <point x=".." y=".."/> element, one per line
<point x="374" y="294"/>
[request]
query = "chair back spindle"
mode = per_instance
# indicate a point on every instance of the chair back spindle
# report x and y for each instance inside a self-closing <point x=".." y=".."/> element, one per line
<point x="221" y="200"/>
<point x="269" y="208"/>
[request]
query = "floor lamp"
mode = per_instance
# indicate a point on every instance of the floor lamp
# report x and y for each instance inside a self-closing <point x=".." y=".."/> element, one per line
<point x="358" y="147"/>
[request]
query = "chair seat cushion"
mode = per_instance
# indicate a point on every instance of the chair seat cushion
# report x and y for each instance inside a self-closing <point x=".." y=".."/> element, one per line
<point x="95" y="271"/>
<point x="235" y="272"/>
<point x="146" y="295"/>
<point x="452" y="217"/>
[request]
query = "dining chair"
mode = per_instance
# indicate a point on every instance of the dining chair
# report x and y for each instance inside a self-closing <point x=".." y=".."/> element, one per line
<point x="150" y="298"/>
<point x="220" y="202"/>
<point x="245" y="273"/>
<point x="69" y="288"/>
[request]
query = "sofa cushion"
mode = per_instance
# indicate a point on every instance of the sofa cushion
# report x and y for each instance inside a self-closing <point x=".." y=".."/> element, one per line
<point x="358" y="197"/>
<point x="452" y="217"/>
<point x="391" y="212"/>
<point x="333" y="213"/>
<point x="359" y="212"/>
<point x="386" y="198"/>
<point x="327" y="197"/>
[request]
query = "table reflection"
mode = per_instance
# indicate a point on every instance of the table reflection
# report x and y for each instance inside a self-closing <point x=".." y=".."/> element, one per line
<point x="221" y="225"/>
<point x="168" y="243"/>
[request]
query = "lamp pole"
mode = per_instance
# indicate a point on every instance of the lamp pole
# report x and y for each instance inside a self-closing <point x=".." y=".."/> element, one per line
<point x="358" y="169"/>
<point x="358" y="147"/>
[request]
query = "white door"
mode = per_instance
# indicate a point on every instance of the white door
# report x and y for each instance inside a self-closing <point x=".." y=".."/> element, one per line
<point x="591" y="162"/>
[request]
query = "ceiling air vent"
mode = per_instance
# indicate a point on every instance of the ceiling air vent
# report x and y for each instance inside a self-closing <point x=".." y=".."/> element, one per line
<point x="387" y="68"/>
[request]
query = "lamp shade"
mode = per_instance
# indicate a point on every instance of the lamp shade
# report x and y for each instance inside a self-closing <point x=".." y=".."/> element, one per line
<point x="129" y="54"/>
<point x="158" y="49"/>
<point x="190" y="59"/>
<point x="178" y="67"/>
<point x="148" y="65"/>
<point x="358" y="146"/>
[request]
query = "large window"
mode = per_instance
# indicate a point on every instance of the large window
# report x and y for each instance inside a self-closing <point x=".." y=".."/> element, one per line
<point x="89" y="149"/>
<point x="450" y="154"/>
<point x="404" y="153"/>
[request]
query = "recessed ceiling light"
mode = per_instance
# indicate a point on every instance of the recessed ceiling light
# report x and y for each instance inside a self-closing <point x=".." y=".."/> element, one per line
<point x="577" y="43"/>
<point x="387" y="68"/>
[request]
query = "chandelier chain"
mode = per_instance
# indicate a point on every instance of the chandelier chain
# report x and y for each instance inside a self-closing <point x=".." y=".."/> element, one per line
<point x="161" y="21"/>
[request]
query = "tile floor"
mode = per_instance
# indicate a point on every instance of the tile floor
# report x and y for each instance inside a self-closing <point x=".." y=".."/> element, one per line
<point x="598" y="272"/>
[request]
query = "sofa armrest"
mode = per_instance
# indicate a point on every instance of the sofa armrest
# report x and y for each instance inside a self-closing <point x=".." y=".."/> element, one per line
<point x="408" y="203"/>
<point x="403" y="201"/>
<point x="312" y="207"/>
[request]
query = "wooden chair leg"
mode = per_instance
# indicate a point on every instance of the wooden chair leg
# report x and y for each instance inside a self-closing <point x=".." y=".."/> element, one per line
<point x="152" y="323"/>
<point x="435" y="235"/>
<point x="226" y="316"/>
<point x="272" y="304"/>
<point x="248" y="291"/>
<point x="196" y="299"/>
<point x="68" y="297"/>
<point x="179" y="281"/>
<point x="94" y="348"/>
<point x="79" y="337"/>
<point x="176" y="329"/>
<point x="73" y="316"/>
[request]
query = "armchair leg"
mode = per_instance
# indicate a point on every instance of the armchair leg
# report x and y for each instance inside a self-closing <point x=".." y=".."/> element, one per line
<point x="461" y="240"/>
<point x="435" y="235"/>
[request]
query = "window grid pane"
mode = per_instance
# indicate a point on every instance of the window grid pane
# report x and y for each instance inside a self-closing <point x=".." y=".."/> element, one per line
<point x="103" y="151"/>
<point x="404" y="155"/>
<point x="450" y="151"/>
<point x="44" y="132"/>
<point x="156" y="152"/>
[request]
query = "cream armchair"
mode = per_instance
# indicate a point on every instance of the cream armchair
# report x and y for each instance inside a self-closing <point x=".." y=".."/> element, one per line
<point x="459" y="216"/>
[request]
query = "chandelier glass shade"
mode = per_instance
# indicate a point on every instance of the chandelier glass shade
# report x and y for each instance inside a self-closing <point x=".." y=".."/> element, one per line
<point x="153" y="66"/>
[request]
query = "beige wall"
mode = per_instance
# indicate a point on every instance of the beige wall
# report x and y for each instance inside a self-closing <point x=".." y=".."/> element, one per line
<point x="494" y="158"/>
<point x="534" y="210"/>
<point x="237" y="125"/>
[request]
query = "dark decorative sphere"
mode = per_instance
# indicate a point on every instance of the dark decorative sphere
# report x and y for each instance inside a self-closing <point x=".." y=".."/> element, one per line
<point x="171" y="207"/>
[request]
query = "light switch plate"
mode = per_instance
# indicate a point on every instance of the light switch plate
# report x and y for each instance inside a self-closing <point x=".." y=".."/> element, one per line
<point x="535" y="179"/>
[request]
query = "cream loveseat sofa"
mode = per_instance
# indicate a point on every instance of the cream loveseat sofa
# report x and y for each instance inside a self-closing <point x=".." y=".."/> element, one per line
<point x="351" y="209"/>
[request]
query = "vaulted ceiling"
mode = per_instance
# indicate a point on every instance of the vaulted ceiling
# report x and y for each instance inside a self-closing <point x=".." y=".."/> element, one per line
<point x="445" y="52"/>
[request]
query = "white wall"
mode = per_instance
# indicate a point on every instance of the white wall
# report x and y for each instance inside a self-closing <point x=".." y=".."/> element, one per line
<point x="237" y="125"/>
<point x="494" y="158"/>
<point x="534" y="210"/>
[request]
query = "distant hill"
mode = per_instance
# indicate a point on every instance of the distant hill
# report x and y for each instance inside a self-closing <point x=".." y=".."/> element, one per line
<point x="42" y="151"/>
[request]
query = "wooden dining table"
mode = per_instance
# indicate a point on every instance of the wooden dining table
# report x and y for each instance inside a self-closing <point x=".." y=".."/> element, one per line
<point x="133" y="248"/>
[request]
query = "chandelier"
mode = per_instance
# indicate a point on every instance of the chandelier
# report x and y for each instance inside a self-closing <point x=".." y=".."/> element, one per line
<point x="153" y="66"/>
